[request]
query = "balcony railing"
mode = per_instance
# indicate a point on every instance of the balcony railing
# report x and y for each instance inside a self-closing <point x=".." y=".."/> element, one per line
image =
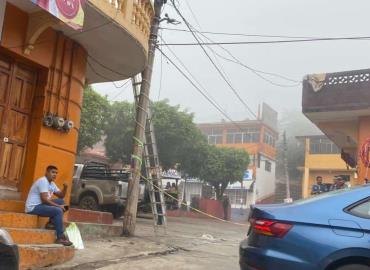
<point x="342" y="91"/>
<point x="134" y="15"/>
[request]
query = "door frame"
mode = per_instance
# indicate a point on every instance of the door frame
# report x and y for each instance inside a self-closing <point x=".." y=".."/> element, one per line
<point x="15" y="61"/>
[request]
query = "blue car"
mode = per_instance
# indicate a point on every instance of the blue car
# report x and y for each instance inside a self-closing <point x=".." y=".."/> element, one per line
<point x="327" y="232"/>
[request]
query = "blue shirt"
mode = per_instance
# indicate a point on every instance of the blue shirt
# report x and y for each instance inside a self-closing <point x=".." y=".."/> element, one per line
<point x="41" y="185"/>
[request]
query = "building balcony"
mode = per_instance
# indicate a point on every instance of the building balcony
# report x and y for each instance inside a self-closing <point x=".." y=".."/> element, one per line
<point x="337" y="96"/>
<point x="115" y="35"/>
<point x="336" y="102"/>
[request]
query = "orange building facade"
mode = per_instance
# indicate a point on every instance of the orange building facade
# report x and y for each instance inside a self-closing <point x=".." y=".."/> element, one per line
<point x="258" y="139"/>
<point x="48" y="80"/>
<point x="44" y="66"/>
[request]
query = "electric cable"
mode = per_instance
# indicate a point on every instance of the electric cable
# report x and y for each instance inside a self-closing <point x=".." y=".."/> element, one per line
<point x="364" y="38"/>
<point x="239" y="34"/>
<point x="192" y="76"/>
<point x="198" y="89"/>
<point x="257" y="72"/>
<point x="214" y="64"/>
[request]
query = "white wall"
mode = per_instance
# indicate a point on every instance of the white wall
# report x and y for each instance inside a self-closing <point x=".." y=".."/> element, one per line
<point x="265" y="180"/>
<point x="192" y="189"/>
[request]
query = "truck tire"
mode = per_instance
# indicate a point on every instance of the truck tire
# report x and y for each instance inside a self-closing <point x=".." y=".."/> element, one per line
<point x="89" y="202"/>
<point x="354" y="267"/>
<point x="116" y="210"/>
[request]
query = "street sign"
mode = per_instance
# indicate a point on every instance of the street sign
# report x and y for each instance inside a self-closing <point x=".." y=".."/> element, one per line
<point x="248" y="175"/>
<point x="172" y="174"/>
<point x="68" y="11"/>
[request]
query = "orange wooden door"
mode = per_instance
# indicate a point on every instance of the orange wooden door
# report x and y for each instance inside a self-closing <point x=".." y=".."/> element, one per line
<point x="17" y="85"/>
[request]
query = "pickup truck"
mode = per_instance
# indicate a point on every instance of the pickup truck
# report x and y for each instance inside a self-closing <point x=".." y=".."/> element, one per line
<point x="97" y="187"/>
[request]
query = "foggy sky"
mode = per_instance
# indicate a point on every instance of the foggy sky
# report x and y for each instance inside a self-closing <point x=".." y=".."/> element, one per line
<point x="311" y="18"/>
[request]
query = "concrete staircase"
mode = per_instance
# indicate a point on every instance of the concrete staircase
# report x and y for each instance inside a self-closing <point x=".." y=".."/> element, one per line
<point x="36" y="245"/>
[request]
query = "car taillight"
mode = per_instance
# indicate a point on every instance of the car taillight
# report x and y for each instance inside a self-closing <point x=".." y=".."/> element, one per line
<point x="270" y="227"/>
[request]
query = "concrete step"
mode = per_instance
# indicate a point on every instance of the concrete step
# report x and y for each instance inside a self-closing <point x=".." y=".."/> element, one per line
<point x="36" y="256"/>
<point x="12" y="206"/>
<point x="7" y="193"/>
<point x="19" y="220"/>
<point x="31" y="236"/>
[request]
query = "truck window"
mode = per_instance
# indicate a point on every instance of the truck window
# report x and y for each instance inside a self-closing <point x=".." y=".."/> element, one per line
<point x="95" y="171"/>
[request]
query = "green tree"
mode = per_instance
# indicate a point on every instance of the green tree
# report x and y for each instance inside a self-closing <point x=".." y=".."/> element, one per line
<point x="93" y="118"/>
<point x="224" y="166"/>
<point x="119" y="131"/>
<point x="178" y="138"/>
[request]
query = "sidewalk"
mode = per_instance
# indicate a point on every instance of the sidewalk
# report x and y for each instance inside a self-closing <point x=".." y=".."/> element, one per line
<point x="189" y="244"/>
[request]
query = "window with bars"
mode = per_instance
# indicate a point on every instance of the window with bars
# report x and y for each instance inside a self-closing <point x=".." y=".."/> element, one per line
<point x="269" y="139"/>
<point x="323" y="146"/>
<point x="267" y="166"/>
<point x="214" y="135"/>
<point x="249" y="135"/>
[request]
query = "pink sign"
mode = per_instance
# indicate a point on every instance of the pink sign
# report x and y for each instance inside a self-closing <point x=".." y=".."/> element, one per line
<point x="69" y="11"/>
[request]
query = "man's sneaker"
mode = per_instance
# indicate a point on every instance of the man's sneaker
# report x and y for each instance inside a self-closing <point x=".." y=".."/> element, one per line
<point x="49" y="226"/>
<point x="64" y="242"/>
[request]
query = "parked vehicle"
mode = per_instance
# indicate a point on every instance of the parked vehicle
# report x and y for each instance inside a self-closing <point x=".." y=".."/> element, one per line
<point x="9" y="256"/>
<point x="328" y="232"/>
<point x="97" y="187"/>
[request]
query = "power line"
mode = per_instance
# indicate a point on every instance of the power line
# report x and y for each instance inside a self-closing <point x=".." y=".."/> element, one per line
<point x="238" y="34"/>
<point x="213" y="52"/>
<point x="197" y="88"/>
<point x="235" y="60"/>
<point x="192" y="76"/>
<point x="365" y="38"/>
<point x="160" y="79"/>
<point x="193" y="14"/>
<point x="213" y="63"/>
<point x="120" y="92"/>
<point x="103" y="76"/>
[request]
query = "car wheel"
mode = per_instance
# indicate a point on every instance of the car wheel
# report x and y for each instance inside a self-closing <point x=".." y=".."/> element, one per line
<point x="89" y="202"/>
<point x="354" y="267"/>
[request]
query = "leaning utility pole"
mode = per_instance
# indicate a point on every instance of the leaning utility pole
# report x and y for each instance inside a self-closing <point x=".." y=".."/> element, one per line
<point x="129" y="221"/>
<point x="288" y="199"/>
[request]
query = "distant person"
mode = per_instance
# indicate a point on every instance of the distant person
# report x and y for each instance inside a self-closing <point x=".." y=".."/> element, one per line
<point x="168" y="185"/>
<point x="339" y="183"/>
<point x="39" y="202"/>
<point x="226" y="205"/>
<point x="173" y="187"/>
<point x="319" y="187"/>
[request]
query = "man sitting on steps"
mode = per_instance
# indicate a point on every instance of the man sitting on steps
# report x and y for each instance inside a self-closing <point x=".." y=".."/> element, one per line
<point x="40" y="203"/>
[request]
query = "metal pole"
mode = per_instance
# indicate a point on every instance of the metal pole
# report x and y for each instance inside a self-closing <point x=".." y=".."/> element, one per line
<point x="129" y="221"/>
<point x="288" y="198"/>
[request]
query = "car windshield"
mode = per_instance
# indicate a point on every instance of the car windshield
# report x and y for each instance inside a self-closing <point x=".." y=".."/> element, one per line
<point x="325" y="195"/>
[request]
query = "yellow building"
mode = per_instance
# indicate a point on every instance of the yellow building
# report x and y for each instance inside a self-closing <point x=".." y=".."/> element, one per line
<point x="339" y="105"/>
<point x="322" y="158"/>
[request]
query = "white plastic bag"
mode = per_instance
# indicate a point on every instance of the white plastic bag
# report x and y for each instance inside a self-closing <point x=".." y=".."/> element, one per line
<point x="74" y="235"/>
